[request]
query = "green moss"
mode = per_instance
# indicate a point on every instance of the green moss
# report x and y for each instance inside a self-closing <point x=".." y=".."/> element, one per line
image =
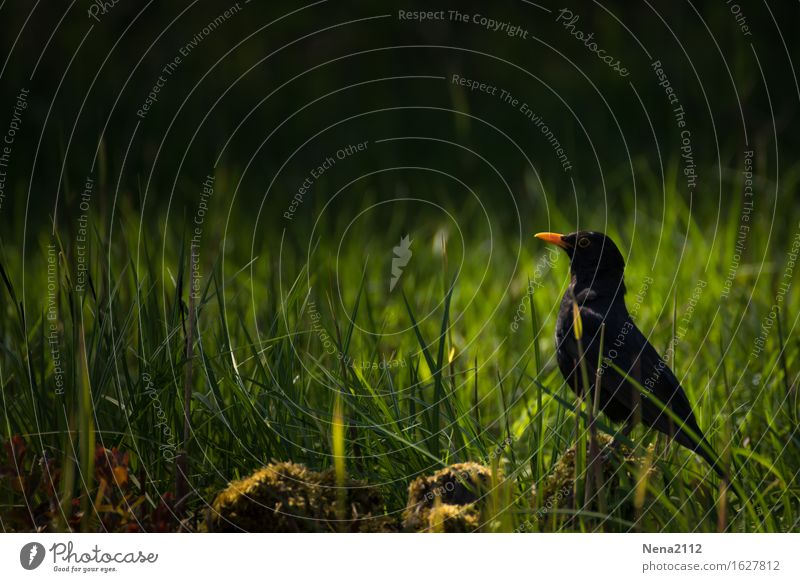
<point x="287" y="497"/>
<point x="450" y="500"/>
<point x="444" y="518"/>
<point x="621" y="471"/>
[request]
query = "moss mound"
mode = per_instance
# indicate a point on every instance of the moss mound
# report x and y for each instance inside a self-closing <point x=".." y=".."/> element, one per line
<point x="447" y="501"/>
<point x="557" y="486"/>
<point x="287" y="497"/>
<point x="444" y="518"/>
<point x="621" y="470"/>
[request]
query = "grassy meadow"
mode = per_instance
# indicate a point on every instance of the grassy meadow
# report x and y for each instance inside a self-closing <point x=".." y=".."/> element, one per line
<point x="305" y="355"/>
<point x="280" y="233"/>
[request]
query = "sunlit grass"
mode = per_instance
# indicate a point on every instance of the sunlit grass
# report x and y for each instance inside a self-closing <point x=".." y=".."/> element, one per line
<point x="305" y="356"/>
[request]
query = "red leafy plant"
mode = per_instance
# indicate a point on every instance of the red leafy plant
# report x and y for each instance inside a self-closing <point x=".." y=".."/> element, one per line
<point x="29" y="495"/>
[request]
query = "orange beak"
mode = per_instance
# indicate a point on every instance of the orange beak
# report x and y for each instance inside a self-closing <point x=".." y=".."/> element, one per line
<point x="553" y="238"/>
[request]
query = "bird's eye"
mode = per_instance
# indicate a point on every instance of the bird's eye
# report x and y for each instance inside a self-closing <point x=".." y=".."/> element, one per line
<point x="584" y="242"/>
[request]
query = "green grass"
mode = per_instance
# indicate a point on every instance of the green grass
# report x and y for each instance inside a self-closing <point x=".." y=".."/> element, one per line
<point x="283" y="369"/>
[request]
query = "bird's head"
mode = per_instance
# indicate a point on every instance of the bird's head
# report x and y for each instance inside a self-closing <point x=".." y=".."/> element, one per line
<point x="593" y="256"/>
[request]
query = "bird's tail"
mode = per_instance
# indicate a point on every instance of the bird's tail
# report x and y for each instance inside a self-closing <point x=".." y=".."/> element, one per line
<point x="703" y="448"/>
<point x="712" y="458"/>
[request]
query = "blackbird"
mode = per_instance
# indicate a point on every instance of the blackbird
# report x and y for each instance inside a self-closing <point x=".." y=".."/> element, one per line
<point x="596" y="292"/>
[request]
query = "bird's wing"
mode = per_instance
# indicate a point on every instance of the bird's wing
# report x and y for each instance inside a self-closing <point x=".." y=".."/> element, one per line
<point x="567" y="353"/>
<point x="656" y="377"/>
<point x="626" y="347"/>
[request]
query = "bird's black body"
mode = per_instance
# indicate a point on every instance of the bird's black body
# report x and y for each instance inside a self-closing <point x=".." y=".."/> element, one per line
<point x="597" y="287"/>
